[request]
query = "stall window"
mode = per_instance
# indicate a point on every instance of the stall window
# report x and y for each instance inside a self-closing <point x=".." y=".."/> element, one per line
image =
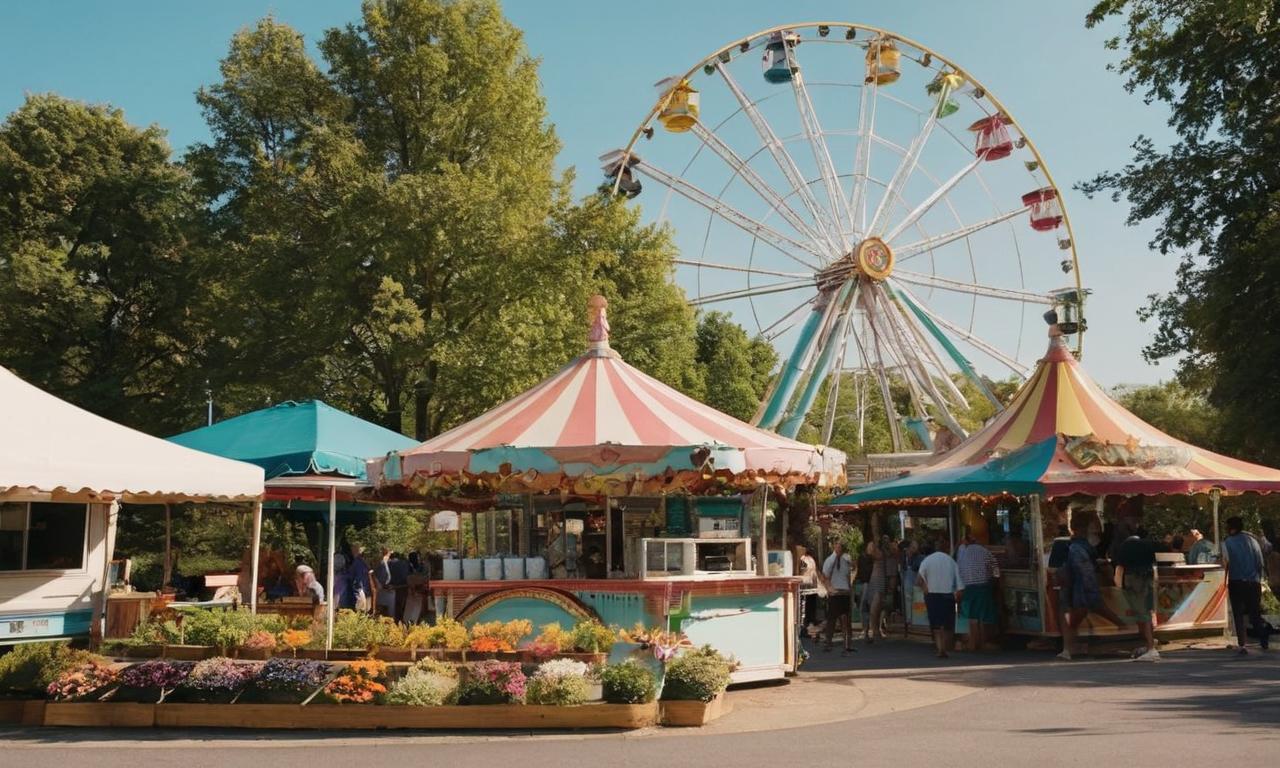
<point x="42" y="536"/>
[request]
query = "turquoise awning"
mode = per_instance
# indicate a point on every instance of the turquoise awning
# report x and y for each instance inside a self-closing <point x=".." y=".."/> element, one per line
<point x="298" y="438"/>
<point x="1018" y="473"/>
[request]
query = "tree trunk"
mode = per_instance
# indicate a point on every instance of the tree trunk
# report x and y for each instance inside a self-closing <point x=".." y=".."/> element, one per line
<point x="421" y="399"/>
<point x="394" y="419"/>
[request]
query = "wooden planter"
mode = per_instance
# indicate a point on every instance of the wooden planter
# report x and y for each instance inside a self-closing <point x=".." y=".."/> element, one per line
<point x="190" y="652"/>
<point x="315" y="654"/>
<point x="691" y="714"/>
<point x="395" y="654"/>
<point x="585" y="658"/>
<point x="142" y="651"/>
<point x="254" y="654"/>
<point x="22" y="711"/>
<point x="100" y="714"/>
<point x="348" y="654"/>
<point x="367" y="717"/>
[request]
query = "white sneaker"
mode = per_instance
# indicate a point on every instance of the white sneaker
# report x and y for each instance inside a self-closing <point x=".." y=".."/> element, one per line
<point x="1151" y="655"/>
<point x="1065" y="656"/>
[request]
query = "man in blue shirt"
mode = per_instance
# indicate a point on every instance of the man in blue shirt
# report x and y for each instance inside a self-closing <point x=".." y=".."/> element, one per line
<point x="1244" y="566"/>
<point x="1080" y="580"/>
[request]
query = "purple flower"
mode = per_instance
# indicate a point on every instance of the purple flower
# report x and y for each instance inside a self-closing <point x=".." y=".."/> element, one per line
<point x="300" y="675"/>
<point x="155" y="674"/>
<point x="219" y="674"/>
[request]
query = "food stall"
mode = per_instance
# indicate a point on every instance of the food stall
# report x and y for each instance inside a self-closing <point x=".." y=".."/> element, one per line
<point x="63" y="476"/>
<point x="1061" y="449"/>
<point x="603" y="493"/>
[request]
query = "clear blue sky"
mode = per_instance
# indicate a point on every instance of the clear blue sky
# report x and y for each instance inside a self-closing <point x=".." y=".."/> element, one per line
<point x="600" y="59"/>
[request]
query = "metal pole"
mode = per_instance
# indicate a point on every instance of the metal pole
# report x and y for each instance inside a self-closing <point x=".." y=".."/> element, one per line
<point x="1215" y="495"/>
<point x="762" y="558"/>
<point x="168" y="547"/>
<point x="256" y="548"/>
<point x="333" y="538"/>
<point x="608" y="537"/>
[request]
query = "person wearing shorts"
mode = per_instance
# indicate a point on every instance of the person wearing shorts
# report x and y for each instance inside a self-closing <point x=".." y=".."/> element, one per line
<point x="939" y="579"/>
<point x="1136" y="555"/>
<point x="979" y="572"/>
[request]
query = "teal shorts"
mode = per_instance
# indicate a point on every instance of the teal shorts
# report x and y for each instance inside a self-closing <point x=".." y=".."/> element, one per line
<point x="978" y="603"/>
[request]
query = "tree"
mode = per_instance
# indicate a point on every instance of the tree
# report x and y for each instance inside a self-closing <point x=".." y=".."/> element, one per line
<point x="94" y="257"/>
<point x="1214" y="196"/>
<point x="737" y="369"/>
<point x="1176" y="410"/>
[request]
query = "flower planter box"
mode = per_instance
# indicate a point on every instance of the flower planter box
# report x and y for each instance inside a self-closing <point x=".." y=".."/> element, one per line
<point x="348" y="654"/>
<point x="22" y="711"/>
<point x="136" y="695"/>
<point x="691" y="714"/>
<point x="585" y="658"/>
<point x="395" y="654"/>
<point x="102" y="714"/>
<point x="443" y="654"/>
<point x="190" y="652"/>
<point x="182" y="695"/>
<point x="254" y="654"/>
<point x="142" y="651"/>
<point x="315" y="654"/>
<point x="179" y="715"/>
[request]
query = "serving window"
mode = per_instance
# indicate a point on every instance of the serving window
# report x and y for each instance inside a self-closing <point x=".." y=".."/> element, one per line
<point x="42" y="537"/>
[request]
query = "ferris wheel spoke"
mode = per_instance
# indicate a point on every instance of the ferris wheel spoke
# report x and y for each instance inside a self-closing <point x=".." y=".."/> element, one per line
<point x="761" y="187"/>
<point x="904" y="170"/>
<point x="833" y="389"/>
<point x="821" y="153"/>
<point x="911" y="326"/>
<point x="862" y="157"/>
<point x="937" y="241"/>
<point x="920" y="210"/>
<point x="959" y="286"/>
<point x="784" y="243"/>
<point x="882" y="379"/>
<point x="785" y="162"/>
<point x="740" y="268"/>
<point x="912" y="353"/>
<point x="1009" y="362"/>
<point x="781" y="326"/>
<point x="746" y="293"/>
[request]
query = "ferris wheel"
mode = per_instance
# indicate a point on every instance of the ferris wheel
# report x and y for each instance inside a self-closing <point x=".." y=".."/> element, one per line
<point x="863" y="202"/>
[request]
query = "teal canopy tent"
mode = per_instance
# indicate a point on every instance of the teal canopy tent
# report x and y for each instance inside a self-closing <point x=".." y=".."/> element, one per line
<point x="298" y="438"/>
<point x="313" y="456"/>
<point x="1017" y="473"/>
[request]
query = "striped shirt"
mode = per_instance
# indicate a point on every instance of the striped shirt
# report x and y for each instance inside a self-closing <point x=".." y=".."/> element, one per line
<point x="977" y="565"/>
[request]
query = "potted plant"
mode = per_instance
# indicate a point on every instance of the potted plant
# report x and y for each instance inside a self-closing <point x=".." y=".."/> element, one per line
<point x="360" y="682"/>
<point x="591" y="641"/>
<point x="356" y="635"/>
<point x="499" y="638"/>
<point x="214" y="681"/>
<point x="628" y="683"/>
<point x="148" y="682"/>
<point x="559" y="682"/>
<point x="429" y="683"/>
<point x="492" y="682"/>
<point x="693" y="687"/>
<point x="84" y="682"/>
<point x="447" y="639"/>
<point x="27" y="670"/>
<point x="298" y="642"/>
<point x="260" y="644"/>
<point x="287" y="681"/>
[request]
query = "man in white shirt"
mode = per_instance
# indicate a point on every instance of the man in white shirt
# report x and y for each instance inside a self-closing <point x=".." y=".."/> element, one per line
<point x="939" y="579"/>
<point x="837" y="570"/>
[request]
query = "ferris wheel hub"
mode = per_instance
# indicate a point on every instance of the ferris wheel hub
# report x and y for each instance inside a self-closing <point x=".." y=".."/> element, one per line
<point x="874" y="258"/>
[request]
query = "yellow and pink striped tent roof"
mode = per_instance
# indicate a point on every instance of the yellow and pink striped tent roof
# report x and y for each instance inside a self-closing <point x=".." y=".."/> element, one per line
<point x="1098" y="448"/>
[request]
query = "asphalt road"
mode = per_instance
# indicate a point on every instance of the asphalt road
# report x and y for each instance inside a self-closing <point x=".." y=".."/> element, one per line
<point x="1194" y="708"/>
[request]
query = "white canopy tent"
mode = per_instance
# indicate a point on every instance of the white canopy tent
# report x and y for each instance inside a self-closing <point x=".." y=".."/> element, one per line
<point x="55" y="452"/>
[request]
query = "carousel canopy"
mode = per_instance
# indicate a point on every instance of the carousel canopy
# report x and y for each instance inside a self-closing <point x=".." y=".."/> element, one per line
<point x="297" y="438"/>
<point x="1097" y="448"/>
<point x="600" y="425"/>
<point x="57" y="451"/>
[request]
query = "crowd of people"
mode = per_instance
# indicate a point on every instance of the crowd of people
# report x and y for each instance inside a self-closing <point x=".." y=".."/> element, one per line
<point x="881" y="580"/>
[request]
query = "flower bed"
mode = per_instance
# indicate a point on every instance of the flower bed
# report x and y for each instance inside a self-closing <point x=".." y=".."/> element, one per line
<point x="214" y="681"/>
<point x="287" y="681"/>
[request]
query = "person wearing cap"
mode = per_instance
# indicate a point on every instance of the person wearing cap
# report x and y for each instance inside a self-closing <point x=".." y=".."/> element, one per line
<point x="309" y="585"/>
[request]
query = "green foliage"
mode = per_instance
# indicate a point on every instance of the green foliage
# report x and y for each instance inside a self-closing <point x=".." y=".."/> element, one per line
<point x="558" y="690"/>
<point x="352" y="629"/>
<point x="628" y="683"/>
<point x="1213" y="196"/>
<point x="223" y="629"/>
<point x="736" y="369"/>
<point x="400" y="529"/>
<point x="95" y="259"/>
<point x="592" y="637"/>
<point x="699" y="675"/>
<point x="28" y="669"/>
<point x="847" y="532"/>
<point x="420" y="688"/>
<point x="1176" y="410"/>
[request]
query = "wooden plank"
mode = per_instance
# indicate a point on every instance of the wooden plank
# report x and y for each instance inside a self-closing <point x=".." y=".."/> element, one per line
<point x="688" y="714"/>
<point x="11" y="711"/>
<point x="100" y="714"/>
<point x="365" y="717"/>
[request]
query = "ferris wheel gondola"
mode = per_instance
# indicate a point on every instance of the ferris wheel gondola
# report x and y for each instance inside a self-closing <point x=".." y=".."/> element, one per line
<point x="917" y="249"/>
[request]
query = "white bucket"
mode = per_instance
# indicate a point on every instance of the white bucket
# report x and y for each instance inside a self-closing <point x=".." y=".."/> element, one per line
<point x="472" y="569"/>
<point x="513" y="568"/>
<point x="535" y="568"/>
<point x="493" y="569"/>
<point x="452" y="569"/>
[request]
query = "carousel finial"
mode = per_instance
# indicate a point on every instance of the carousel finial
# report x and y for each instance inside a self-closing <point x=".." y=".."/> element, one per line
<point x="599" y="332"/>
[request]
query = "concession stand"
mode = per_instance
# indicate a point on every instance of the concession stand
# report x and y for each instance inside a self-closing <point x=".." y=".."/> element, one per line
<point x="1061" y="449"/>
<point x="603" y="493"/>
<point x="64" y="473"/>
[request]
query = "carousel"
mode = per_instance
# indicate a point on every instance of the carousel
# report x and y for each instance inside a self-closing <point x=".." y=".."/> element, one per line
<point x="1061" y="449"/>
<point x="603" y="493"/>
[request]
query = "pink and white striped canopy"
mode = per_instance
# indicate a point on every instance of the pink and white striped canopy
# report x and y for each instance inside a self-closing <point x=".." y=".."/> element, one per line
<point x="600" y="415"/>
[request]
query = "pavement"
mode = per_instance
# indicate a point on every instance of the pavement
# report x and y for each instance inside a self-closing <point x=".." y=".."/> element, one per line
<point x="891" y="703"/>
